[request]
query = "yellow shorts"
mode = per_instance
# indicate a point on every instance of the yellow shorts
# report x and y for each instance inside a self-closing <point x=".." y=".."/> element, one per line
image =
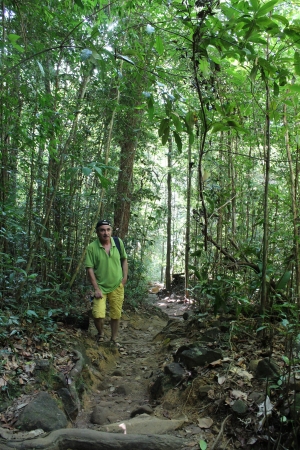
<point x="115" y="299"/>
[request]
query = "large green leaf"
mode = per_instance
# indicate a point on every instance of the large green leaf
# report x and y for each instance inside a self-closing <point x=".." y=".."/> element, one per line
<point x="267" y="66"/>
<point x="204" y="67"/>
<point x="283" y="280"/>
<point x="281" y="19"/>
<point x="165" y="136"/>
<point x="13" y="37"/>
<point x="176" y="120"/>
<point x="164" y="124"/>
<point x="159" y="45"/>
<point x="253" y="73"/>
<point x="86" y="171"/>
<point x="150" y="104"/>
<point x="218" y="126"/>
<point x="202" y="444"/>
<point x="189" y="120"/>
<point x="293" y="88"/>
<point x="266" y="8"/>
<point x="255" y="5"/>
<point x="297" y="62"/>
<point x="178" y="141"/>
<point x="79" y="3"/>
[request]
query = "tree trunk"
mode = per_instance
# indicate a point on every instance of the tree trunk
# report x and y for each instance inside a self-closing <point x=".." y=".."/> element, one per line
<point x="169" y="219"/>
<point x="188" y="222"/>
<point x="295" y="211"/>
<point x="124" y="188"/>
<point x="264" y="287"/>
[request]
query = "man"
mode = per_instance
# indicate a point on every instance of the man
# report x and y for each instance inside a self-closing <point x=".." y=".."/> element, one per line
<point x="107" y="269"/>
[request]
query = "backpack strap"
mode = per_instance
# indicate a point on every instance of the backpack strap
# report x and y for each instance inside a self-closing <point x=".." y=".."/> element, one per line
<point x="117" y="242"/>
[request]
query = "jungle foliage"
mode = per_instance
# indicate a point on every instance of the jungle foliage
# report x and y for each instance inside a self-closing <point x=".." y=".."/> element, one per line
<point x="177" y="119"/>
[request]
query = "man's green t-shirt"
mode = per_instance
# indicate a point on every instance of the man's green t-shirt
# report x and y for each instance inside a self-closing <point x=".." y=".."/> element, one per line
<point x="107" y="268"/>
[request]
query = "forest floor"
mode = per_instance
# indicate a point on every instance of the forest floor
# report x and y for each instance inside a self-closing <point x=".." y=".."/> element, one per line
<point x="121" y="378"/>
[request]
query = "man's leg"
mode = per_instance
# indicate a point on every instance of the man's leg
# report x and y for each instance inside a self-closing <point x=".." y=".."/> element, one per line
<point x="114" y="324"/>
<point x="99" y="307"/>
<point x="116" y="299"/>
<point x="99" y="324"/>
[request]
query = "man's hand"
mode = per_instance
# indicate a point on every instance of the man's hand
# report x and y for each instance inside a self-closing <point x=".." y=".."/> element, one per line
<point x="124" y="281"/>
<point x="98" y="293"/>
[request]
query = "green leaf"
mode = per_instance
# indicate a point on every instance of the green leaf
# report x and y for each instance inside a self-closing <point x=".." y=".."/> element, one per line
<point x="283" y="280"/>
<point x="178" y="141"/>
<point x="276" y="89"/>
<point x="20" y="260"/>
<point x="41" y="68"/>
<point x="297" y="62"/>
<point x="202" y="444"/>
<point x="32" y="276"/>
<point x="86" y="171"/>
<point x="191" y="138"/>
<point x="79" y="3"/>
<point x="18" y="47"/>
<point x="197" y="253"/>
<point x="253" y="73"/>
<point x="159" y="45"/>
<point x="204" y="67"/>
<point x="104" y="181"/>
<point x="164" y="124"/>
<point x="13" y="37"/>
<point x="165" y="136"/>
<point x="285" y="359"/>
<point x="267" y="7"/>
<point x="176" y="120"/>
<point x="98" y="170"/>
<point x="150" y="107"/>
<point x="124" y="58"/>
<point x="189" y="120"/>
<point x="96" y="55"/>
<point x="261" y="328"/>
<point x="266" y="65"/>
<point x="255" y="5"/>
<point x="257" y="39"/>
<point x="31" y="313"/>
<point x="232" y="123"/>
<point x="281" y="19"/>
<point x="218" y="126"/>
<point x="293" y="87"/>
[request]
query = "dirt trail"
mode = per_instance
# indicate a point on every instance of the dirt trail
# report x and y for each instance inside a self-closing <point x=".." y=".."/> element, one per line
<point x="128" y="369"/>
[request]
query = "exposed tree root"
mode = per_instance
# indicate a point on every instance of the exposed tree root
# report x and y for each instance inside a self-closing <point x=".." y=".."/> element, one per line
<point x="83" y="439"/>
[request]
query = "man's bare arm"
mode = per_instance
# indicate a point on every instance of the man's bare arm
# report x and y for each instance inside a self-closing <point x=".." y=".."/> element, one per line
<point x="125" y="271"/>
<point x="92" y="278"/>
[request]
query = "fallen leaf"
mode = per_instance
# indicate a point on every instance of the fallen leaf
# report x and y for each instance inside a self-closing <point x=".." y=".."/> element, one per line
<point x="218" y="362"/>
<point x="2" y="382"/>
<point x="242" y="373"/>
<point x="221" y="379"/>
<point x="265" y="407"/>
<point x="238" y="394"/>
<point x="22" y="405"/>
<point x="205" y="422"/>
<point x="211" y="394"/>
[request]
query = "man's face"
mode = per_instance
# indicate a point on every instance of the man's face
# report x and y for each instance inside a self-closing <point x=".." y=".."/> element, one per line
<point x="104" y="232"/>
